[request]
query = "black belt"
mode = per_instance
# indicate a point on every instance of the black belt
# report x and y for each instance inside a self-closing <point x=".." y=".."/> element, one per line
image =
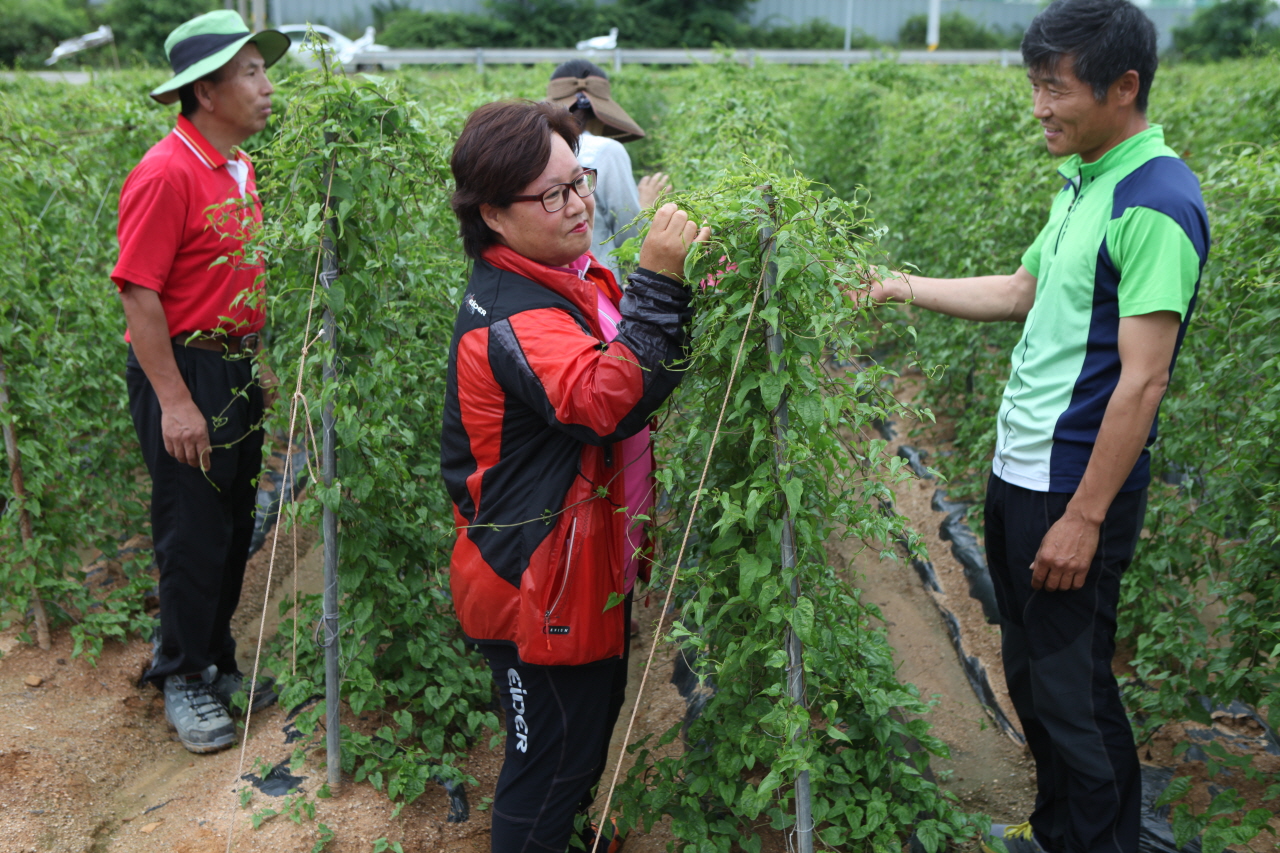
<point x="228" y="344"/>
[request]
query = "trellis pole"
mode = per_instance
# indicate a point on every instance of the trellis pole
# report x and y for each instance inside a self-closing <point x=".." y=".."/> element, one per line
<point x="795" y="650"/>
<point x="328" y="472"/>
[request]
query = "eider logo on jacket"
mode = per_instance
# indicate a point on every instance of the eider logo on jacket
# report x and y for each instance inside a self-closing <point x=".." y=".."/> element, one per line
<point x="474" y="307"/>
<point x="517" y="704"/>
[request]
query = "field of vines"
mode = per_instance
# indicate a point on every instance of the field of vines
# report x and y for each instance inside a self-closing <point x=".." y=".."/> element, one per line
<point x="938" y="169"/>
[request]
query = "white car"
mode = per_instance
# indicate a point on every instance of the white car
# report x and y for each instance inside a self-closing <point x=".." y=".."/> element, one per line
<point x="309" y="40"/>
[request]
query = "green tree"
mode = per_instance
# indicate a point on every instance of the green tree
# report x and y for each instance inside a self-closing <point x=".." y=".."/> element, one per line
<point x="548" y="23"/>
<point x="816" y="34"/>
<point x="1227" y="29"/>
<point x="30" y="29"/>
<point x="401" y="27"/>
<point x="141" y="26"/>
<point x="957" y="31"/>
<point x="675" y="23"/>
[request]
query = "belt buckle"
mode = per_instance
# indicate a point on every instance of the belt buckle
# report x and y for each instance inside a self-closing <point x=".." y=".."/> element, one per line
<point x="250" y="342"/>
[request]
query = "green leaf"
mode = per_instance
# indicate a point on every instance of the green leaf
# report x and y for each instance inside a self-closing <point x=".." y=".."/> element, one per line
<point x="337" y="297"/>
<point x="750" y="569"/>
<point x="802" y="618"/>
<point x="770" y="390"/>
<point x="1177" y="788"/>
<point x="794" y="489"/>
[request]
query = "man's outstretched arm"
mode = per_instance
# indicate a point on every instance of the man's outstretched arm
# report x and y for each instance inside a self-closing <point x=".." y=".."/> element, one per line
<point x="1146" y="344"/>
<point x="988" y="298"/>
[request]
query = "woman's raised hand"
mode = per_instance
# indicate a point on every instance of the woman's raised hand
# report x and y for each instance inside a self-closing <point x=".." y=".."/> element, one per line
<point x="652" y="186"/>
<point x="668" y="241"/>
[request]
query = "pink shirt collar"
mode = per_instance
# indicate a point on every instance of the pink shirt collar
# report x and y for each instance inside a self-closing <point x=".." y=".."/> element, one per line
<point x="578" y="267"/>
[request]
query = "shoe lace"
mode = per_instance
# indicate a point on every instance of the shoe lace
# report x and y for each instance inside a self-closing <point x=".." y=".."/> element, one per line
<point x="204" y="704"/>
<point x="1019" y="830"/>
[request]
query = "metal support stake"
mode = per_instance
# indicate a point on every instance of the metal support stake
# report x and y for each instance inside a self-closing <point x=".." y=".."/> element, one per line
<point x="480" y="60"/>
<point x="795" y="650"/>
<point x="328" y="467"/>
<point x="848" y="29"/>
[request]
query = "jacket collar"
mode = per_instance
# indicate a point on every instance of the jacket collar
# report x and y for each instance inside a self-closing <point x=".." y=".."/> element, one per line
<point x="581" y="292"/>
<point x="199" y="146"/>
<point x="1133" y="151"/>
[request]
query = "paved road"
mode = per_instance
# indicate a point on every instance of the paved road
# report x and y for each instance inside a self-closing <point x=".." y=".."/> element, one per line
<point x="76" y="77"/>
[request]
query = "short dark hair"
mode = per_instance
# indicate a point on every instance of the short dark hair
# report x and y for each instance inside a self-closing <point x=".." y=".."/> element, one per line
<point x="187" y="94"/>
<point x="578" y="68"/>
<point x="1104" y="38"/>
<point x="503" y="147"/>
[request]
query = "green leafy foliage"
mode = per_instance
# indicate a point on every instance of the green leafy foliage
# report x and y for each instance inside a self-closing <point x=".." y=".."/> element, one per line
<point x="387" y="170"/>
<point x="404" y="27"/>
<point x="63" y="352"/>
<point x="141" y="26"/>
<point x="1225" y="30"/>
<point x="796" y="461"/>
<point x="1211" y="562"/>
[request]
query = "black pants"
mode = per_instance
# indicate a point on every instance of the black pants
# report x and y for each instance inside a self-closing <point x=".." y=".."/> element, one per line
<point x="201" y="521"/>
<point x="559" y="723"/>
<point x="1057" y="649"/>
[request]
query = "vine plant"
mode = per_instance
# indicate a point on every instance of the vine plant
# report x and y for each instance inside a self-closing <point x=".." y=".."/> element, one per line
<point x="858" y="725"/>
<point x="403" y="659"/>
<point x="61" y="341"/>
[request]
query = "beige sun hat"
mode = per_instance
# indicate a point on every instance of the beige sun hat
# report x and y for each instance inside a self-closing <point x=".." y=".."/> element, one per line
<point x="617" y="124"/>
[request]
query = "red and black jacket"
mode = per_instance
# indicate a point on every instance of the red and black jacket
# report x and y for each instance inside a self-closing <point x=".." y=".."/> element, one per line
<point x="534" y="402"/>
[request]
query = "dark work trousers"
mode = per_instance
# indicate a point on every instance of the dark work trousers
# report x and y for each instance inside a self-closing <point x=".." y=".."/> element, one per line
<point x="201" y="521"/>
<point x="1057" y="649"/>
<point x="559" y="722"/>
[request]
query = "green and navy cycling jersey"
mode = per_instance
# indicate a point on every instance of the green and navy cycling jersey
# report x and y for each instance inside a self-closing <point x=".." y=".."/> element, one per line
<point x="1128" y="235"/>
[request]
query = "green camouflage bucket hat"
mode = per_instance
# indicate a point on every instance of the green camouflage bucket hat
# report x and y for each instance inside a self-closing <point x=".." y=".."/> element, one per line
<point x="205" y="44"/>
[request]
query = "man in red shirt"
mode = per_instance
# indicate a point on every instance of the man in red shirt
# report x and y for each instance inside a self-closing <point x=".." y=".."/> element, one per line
<point x="193" y="301"/>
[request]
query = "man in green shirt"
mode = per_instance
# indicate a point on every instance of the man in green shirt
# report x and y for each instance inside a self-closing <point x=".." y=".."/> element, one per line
<point x="1105" y="293"/>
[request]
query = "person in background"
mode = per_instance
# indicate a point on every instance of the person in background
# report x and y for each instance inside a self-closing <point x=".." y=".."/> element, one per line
<point x="551" y="369"/>
<point x="583" y="88"/>
<point x="1105" y="292"/>
<point x="193" y="305"/>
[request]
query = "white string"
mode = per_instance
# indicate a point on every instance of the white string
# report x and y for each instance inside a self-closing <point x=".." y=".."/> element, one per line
<point x="294" y="401"/>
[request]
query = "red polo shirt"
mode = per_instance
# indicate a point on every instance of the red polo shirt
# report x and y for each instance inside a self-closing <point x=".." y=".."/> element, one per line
<point x="185" y="215"/>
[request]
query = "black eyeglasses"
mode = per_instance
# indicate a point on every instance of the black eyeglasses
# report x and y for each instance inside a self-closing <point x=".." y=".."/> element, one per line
<point x="558" y="196"/>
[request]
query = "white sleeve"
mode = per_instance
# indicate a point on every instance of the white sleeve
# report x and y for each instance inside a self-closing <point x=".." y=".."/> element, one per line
<point x="617" y="197"/>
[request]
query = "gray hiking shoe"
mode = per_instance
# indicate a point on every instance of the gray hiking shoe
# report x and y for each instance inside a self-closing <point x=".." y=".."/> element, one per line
<point x="229" y="688"/>
<point x="193" y="709"/>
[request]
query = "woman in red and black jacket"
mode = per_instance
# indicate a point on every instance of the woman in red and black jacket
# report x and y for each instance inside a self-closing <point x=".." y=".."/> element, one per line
<point x="538" y="400"/>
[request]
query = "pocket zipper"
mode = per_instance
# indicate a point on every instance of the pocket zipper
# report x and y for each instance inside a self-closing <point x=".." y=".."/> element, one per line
<point x="564" y="583"/>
